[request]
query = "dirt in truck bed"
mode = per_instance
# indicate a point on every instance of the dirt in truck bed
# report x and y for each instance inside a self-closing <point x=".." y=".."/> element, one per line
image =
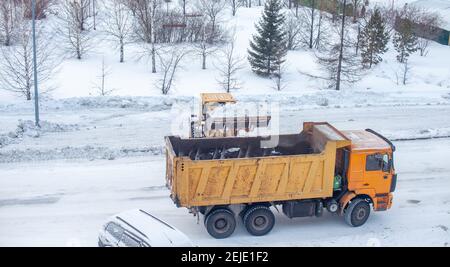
<point x="240" y="147"/>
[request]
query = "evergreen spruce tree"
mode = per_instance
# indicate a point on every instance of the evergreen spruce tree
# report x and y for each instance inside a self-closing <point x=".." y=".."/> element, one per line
<point x="405" y="42"/>
<point x="268" y="47"/>
<point x="374" y="39"/>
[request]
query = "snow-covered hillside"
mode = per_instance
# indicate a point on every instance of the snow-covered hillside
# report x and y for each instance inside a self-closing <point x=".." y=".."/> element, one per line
<point x="78" y="78"/>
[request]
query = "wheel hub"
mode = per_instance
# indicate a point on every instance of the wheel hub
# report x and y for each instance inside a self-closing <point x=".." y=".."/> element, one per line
<point x="260" y="221"/>
<point x="220" y="224"/>
<point x="361" y="214"/>
<point x="333" y="207"/>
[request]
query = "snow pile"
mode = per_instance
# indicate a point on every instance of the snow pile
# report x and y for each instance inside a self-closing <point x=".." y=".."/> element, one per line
<point x="69" y="152"/>
<point x="419" y="134"/>
<point x="150" y="103"/>
<point x="28" y="128"/>
<point x="155" y="103"/>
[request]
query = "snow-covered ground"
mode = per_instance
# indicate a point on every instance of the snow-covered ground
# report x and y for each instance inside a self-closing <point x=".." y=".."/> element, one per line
<point x="62" y="203"/>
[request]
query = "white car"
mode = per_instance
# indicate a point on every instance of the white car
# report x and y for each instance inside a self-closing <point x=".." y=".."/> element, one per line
<point x="138" y="228"/>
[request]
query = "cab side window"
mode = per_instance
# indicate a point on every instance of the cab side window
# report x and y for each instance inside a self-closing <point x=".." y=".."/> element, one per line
<point x="373" y="163"/>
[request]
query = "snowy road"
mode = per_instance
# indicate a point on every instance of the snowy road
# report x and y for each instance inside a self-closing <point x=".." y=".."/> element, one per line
<point x="58" y="203"/>
<point x="101" y="132"/>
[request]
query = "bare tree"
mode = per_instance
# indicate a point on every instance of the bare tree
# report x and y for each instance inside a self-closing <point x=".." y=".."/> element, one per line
<point x="205" y="46"/>
<point x="169" y="59"/>
<point x="234" y="5"/>
<point x="101" y="87"/>
<point x="356" y="4"/>
<point x="12" y="12"/>
<point x="293" y="28"/>
<point x="406" y="70"/>
<point x="349" y="70"/>
<point x="145" y="12"/>
<point x="183" y="5"/>
<point x="229" y="65"/>
<point x="212" y="9"/>
<point x="74" y="28"/>
<point x="247" y="3"/>
<point x="341" y="48"/>
<point x="309" y="18"/>
<point x="402" y="72"/>
<point x="118" y="25"/>
<point x="427" y="24"/>
<point x="339" y="61"/>
<point x="16" y="62"/>
<point x="83" y="12"/>
<point x="10" y="16"/>
<point x="321" y="32"/>
<point x="278" y="78"/>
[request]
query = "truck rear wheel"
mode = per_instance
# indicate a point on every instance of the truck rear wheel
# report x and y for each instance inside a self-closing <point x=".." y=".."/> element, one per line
<point x="357" y="212"/>
<point x="259" y="220"/>
<point x="220" y="223"/>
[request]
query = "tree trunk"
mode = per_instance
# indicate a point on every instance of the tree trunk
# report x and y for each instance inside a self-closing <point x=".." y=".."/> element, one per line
<point x="122" y="52"/>
<point x="78" y="52"/>
<point x="203" y="60"/>
<point x="319" y="31"/>
<point x="341" y="51"/>
<point x="355" y="11"/>
<point x="405" y="72"/>
<point x="358" y="37"/>
<point x="311" y="33"/>
<point x="94" y="15"/>
<point x="153" y="58"/>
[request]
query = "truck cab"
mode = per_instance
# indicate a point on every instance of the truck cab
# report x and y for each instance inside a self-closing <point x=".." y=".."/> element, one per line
<point x="371" y="170"/>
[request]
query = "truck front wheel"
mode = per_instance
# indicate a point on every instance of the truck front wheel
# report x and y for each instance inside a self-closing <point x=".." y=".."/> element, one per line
<point x="220" y="223"/>
<point x="259" y="220"/>
<point x="357" y="212"/>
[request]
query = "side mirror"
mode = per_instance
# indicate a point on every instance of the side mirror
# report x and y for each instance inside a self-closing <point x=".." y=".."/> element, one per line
<point x="386" y="163"/>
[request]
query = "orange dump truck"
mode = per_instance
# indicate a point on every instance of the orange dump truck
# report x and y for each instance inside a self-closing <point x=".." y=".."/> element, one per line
<point x="344" y="172"/>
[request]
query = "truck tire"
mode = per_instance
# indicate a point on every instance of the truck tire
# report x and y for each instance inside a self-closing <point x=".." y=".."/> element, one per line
<point x="220" y="223"/>
<point x="357" y="212"/>
<point x="259" y="220"/>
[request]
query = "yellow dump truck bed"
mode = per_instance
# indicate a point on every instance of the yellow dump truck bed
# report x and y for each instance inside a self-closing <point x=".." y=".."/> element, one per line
<point x="219" y="171"/>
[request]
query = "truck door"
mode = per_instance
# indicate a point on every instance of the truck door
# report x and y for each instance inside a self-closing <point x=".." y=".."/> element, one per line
<point x="377" y="173"/>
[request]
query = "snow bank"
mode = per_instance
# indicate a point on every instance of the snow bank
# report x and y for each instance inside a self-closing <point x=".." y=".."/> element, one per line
<point x="70" y="152"/>
<point x="419" y="134"/>
<point x="306" y="99"/>
<point x="150" y="103"/>
<point x="27" y="128"/>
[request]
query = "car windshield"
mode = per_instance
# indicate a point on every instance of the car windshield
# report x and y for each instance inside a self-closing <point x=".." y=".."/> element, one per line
<point x="115" y="230"/>
<point x="130" y="241"/>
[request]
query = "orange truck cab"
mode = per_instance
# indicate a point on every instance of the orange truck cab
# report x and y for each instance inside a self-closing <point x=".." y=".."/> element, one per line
<point x="371" y="174"/>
